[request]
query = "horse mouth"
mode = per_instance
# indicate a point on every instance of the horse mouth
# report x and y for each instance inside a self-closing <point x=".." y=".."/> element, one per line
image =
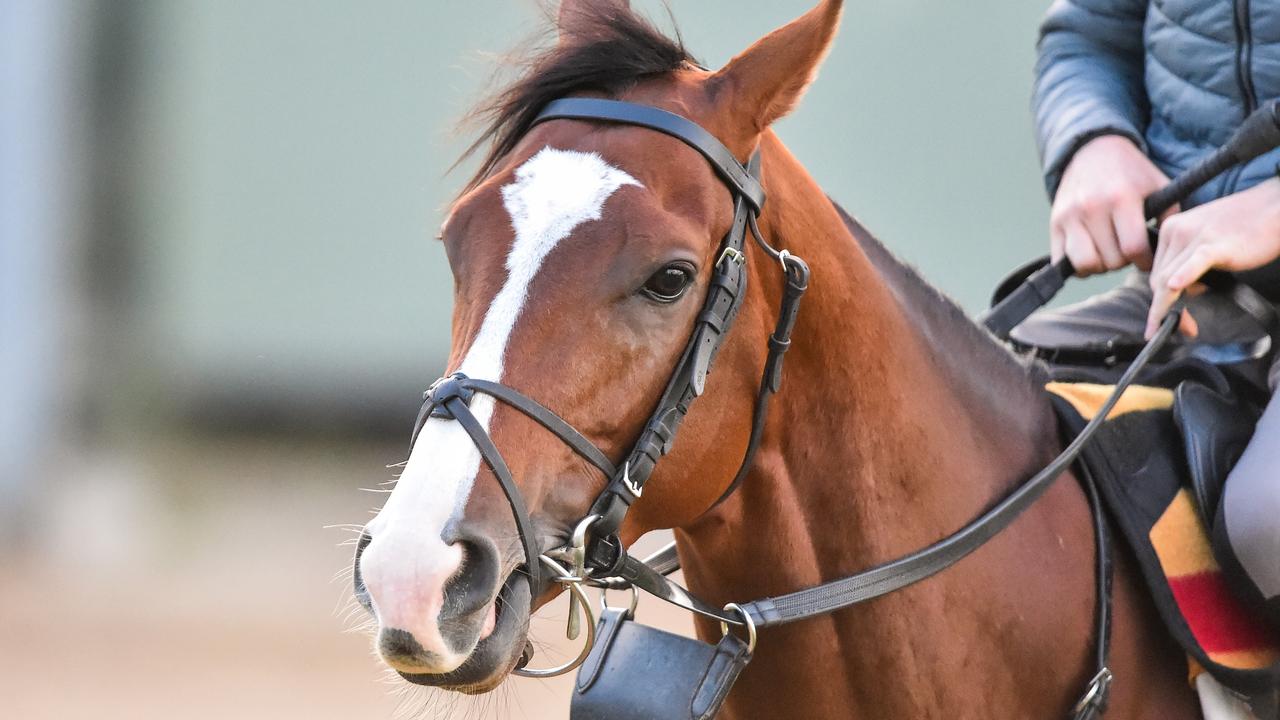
<point x="496" y="655"/>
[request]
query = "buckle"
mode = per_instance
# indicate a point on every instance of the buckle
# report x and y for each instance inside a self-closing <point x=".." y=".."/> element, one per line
<point x="731" y="253"/>
<point x="635" y="490"/>
<point x="1095" y="696"/>
<point x="783" y="256"/>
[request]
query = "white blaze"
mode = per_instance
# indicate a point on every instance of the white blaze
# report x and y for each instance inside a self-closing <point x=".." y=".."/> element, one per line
<point x="408" y="563"/>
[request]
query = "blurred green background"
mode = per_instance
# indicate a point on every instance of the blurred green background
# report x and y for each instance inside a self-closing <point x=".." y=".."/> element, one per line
<point x="220" y="299"/>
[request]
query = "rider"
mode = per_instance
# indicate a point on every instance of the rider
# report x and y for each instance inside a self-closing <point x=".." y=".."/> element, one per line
<point x="1129" y="93"/>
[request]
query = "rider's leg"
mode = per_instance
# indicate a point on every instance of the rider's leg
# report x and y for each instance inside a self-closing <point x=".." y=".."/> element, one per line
<point x="1119" y="316"/>
<point x="1116" y="316"/>
<point x="1251" y="508"/>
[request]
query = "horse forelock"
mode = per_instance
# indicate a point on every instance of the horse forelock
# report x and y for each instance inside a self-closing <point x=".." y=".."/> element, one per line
<point x="613" y="52"/>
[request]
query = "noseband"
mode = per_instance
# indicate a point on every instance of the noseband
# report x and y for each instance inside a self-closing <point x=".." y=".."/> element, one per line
<point x="449" y="397"/>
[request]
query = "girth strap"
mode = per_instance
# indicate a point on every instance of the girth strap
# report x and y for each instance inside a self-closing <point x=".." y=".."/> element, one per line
<point x="1093" y="703"/>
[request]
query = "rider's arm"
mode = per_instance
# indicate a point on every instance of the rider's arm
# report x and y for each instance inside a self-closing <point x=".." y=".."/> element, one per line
<point x="1089" y="78"/>
<point x="1090" y="106"/>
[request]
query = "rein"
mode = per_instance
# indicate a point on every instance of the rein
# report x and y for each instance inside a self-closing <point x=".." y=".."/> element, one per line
<point x="596" y="556"/>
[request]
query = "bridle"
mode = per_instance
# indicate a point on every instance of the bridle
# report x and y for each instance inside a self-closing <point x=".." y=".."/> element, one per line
<point x="450" y="396"/>
<point x="595" y="555"/>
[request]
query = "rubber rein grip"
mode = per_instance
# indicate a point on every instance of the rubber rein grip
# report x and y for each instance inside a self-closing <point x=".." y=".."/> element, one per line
<point x="1035" y="284"/>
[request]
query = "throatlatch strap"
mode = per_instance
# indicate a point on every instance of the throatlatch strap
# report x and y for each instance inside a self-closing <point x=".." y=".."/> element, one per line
<point x="797" y="282"/>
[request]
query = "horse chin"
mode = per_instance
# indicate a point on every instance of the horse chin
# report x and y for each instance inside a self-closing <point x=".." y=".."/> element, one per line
<point x="496" y="655"/>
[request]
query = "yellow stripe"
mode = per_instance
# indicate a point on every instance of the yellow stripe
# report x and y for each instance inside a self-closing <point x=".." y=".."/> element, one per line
<point x="1246" y="659"/>
<point x="1088" y="398"/>
<point x="1180" y="541"/>
<point x="1194" y="670"/>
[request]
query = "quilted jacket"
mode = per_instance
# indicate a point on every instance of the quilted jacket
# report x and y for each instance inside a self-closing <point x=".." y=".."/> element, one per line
<point x="1175" y="76"/>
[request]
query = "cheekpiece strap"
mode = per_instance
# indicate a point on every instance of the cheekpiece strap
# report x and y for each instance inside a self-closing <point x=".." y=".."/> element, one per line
<point x="724" y="299"/>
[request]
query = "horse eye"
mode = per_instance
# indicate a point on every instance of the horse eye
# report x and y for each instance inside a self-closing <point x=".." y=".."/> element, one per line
<point x="669" y="283"/>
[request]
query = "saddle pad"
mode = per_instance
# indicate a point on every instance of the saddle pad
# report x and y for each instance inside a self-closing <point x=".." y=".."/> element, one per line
<point x="1140" y="468"/>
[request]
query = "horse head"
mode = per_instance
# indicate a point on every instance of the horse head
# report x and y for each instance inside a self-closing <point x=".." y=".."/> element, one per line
<point x="581" y="254"/>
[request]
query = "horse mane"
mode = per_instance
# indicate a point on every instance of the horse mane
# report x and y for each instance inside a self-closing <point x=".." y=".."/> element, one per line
<point x="611" y="50"/>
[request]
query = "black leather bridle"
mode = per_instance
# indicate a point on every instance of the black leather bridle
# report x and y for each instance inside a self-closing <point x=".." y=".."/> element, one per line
<point x="449" y="397"/>
<point x="604" y="562"/>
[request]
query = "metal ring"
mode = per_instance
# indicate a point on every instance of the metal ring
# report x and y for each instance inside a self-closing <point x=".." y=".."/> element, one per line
<point x="631" y="610"/>
<point x="782" y="258"/>
<point x="576" y="589"/>
<point x="746" y="618"/>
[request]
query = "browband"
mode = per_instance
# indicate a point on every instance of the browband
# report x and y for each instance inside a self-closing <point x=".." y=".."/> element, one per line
<point x="740" y="180"/>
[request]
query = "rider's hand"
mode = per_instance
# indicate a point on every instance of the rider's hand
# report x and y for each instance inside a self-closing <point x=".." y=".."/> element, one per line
<point x="1238" y="232"/>
<point x="1097" y="218"/>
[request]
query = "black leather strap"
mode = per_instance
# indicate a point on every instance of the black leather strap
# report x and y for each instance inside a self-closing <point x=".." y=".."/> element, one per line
<point x="1093" y="703"/>
<point x="547" y="419"/>
<point x="688" y="380"/>
<point x="1035" y="291"/>
<point x="528" y="539"/>
<point x="690" y="133"/>
<point x="797" y="282"/>
<point x="900" y="573"/>
<point x="633" y="572"/>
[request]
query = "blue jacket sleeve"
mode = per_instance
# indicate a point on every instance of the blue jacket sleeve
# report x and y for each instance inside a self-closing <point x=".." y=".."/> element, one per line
<point x="1089" y="78"/>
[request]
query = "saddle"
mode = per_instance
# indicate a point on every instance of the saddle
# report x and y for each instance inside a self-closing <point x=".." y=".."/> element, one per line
<point x="1160" y="464"/>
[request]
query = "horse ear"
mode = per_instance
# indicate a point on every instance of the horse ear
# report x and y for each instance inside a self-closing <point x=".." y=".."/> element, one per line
<point x="580" y="19"/>
<point x="766" y="81"/>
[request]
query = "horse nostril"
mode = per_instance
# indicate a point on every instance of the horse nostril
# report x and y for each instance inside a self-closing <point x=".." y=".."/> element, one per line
<point x="357" y="579"/>
<point x="401" y="646"/>
<point x="471" y="589"/>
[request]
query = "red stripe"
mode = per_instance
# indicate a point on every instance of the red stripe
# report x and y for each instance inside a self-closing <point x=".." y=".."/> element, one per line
<point x="1219" y="622"/>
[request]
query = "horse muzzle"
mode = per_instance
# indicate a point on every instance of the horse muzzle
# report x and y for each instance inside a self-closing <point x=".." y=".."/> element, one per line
<point x="457" y="624"/>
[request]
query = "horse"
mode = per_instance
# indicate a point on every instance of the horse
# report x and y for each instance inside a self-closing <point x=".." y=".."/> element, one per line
<point x="580" y="252"/>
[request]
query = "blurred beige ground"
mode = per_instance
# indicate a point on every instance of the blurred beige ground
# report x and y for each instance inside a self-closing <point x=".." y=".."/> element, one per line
<point x="199" y="581"/>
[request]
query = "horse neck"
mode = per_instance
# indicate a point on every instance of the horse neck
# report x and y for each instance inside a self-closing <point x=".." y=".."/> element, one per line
<point x="897" y="420"/>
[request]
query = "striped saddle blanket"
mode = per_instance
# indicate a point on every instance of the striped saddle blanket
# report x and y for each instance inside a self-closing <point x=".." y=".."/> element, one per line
<point x="1139" y="464"/>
